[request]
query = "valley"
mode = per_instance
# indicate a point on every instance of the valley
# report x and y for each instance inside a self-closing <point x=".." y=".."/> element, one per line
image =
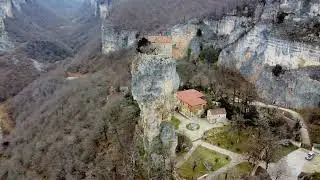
<point x="185" y="90"/>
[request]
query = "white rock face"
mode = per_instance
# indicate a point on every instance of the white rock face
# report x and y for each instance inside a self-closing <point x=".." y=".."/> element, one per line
<point x="254" y="53"/>
<point x="221" y="33"/>
<point x="289" y="6"/>
<point x="104" y="11"/>
<point x="290" y="54"/>
<point x="315" y="9"/>
<point x="154" y="82"/>
<point x="18" y="3"/>
<point x="114" y="40"/>
<point x="227" y="25"/>
<point x="5" y="11"/>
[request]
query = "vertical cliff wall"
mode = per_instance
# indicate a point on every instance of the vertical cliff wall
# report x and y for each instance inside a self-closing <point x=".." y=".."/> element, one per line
<point x="256" y="53"/>
<point x="154" y="83"/>
<point x="6" y="10"/>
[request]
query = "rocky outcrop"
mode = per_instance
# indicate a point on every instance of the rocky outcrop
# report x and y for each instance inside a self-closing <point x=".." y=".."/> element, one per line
<point x="154" y="82"/>
<point x="114" y="39"/>
<point x="6" y="8"/>
<point x="220" y="33"/>
<point x="18" y="3"/>
<point x="254" y="55"/>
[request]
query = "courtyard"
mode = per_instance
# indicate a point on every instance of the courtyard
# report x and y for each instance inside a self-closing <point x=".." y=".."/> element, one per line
<point x="194" y="135"/>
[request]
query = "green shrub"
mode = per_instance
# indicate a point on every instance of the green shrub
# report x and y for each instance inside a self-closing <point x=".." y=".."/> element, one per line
<point x="175" y="122"/>
<point x="189" y="53"/>
<point x="210" y="55"/>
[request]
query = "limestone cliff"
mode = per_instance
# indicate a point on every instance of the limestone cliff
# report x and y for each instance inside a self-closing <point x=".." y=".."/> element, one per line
<point x="5" y="11"/>
<point x="113" y="39"/>
<point x="154" y="82"/>
<point x="265" y="45"/>
<point x="253" y="41"/>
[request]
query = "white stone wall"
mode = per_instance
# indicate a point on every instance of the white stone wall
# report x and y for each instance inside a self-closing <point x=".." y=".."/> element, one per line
<point x="218" y="118"/>
<point x="163" y="49"/>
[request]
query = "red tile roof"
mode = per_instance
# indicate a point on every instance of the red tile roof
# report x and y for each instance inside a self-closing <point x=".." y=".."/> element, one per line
<point x="191" y="97"/>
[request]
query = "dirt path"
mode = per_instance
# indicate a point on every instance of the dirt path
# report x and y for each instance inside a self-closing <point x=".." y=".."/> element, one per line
<point x="235" y="158"/>
<point x="303" y="131"/>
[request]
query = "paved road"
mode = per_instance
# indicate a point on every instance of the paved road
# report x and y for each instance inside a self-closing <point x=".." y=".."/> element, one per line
<point x="303" y="131"/>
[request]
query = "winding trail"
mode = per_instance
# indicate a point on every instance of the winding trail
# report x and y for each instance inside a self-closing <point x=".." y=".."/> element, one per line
<point x="303" y="131"/>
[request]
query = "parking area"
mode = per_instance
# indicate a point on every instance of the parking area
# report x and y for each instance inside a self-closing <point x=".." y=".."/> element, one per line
<point x="293" y="164"/>
<point x="313" y="166"/>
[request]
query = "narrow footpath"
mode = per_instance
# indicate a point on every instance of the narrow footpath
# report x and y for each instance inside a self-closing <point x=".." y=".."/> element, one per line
<point x="303" y="131"/>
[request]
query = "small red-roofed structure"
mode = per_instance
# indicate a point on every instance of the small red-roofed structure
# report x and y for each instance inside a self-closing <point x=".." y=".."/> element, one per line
<point x="191" y="102"/>
<point x="162" y="45"/>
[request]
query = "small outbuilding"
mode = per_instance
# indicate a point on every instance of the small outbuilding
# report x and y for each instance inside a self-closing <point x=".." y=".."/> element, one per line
<point x="217" y="115"/>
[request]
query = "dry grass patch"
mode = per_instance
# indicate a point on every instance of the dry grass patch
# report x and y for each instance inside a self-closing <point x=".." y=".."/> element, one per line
<point x="6" y="123"/>
<point x="227" y="138"/>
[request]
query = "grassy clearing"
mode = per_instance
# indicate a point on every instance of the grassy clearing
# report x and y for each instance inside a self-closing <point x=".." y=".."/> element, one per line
<point x="200" y="156"/>
<point x="283" y="151"/>
<point x="228" y="138"/>
<point x="237" y="172"/>
<point x="175" y="122"/>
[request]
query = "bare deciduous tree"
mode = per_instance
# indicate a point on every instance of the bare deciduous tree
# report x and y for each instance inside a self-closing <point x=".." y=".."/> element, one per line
<point x="153" y="14"/>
